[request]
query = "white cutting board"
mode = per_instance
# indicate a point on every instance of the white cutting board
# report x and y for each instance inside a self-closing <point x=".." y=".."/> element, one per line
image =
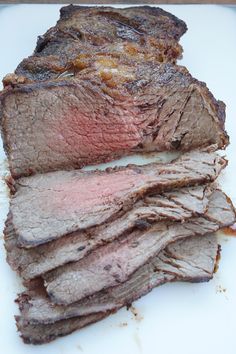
<point x="175" y="318"/>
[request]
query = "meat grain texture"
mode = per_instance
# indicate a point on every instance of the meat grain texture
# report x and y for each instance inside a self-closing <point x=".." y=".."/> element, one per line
<point x="177" y="205"/>
<point x="41" y="321"/>
<point x="113" y="264"/>
<point x="67" y="201"/>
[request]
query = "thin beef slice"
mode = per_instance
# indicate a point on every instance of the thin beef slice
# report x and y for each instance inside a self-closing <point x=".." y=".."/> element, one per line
<point x="114" y="263"/>
<point x="48" y="206"/>
<point x="177" y="205"/>
<point x="41" y="321"/>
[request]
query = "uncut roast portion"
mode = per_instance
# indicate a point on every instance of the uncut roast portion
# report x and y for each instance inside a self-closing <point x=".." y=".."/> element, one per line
<point x="84" y="31"/>
<point x="70" y="104"/>
<point x="101" y="84"/>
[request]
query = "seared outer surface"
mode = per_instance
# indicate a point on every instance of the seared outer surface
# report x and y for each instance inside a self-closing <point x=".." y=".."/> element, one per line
<point x="48" y="206"/>
<point x="81" y="31"/>
<point x="192" y="260"/>
<point x="177" y="205"/>
<point x="114" y="263"/>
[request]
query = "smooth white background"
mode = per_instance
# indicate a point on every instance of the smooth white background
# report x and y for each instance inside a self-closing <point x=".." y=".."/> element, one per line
<point x="175" y="318"/>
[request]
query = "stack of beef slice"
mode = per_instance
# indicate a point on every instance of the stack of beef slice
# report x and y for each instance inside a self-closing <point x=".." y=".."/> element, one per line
<point x="103" y="83"/>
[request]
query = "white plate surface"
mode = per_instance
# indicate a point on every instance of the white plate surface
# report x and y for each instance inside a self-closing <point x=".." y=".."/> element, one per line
<point x="175" y="318"/>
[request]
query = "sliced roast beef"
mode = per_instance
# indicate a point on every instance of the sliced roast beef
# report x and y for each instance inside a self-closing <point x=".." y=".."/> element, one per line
<point x="48" y="206"/>
<point x="102" y="84"/>
<point x="175" y="260"/>
<point x="114" y="263"/>
<point x="87" y="30"/>
<point x="175" y="205"/>
<point x="39" y="334"/>
<point x="105" y="111"/>
<point x="41" y="321"/>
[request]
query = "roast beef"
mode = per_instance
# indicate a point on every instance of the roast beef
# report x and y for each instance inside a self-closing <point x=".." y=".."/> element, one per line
<point x="48" y="206"/>
<point x="101" y="84"/>
<point x="39" y="334"/>
<point x="81" y="30"/>
<point x="114" y="263"/>
<point x="101" y="112"/>
<point x="175" y="205"/>
<point x="106" y="111"/>
<point x="41" y="321"/>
